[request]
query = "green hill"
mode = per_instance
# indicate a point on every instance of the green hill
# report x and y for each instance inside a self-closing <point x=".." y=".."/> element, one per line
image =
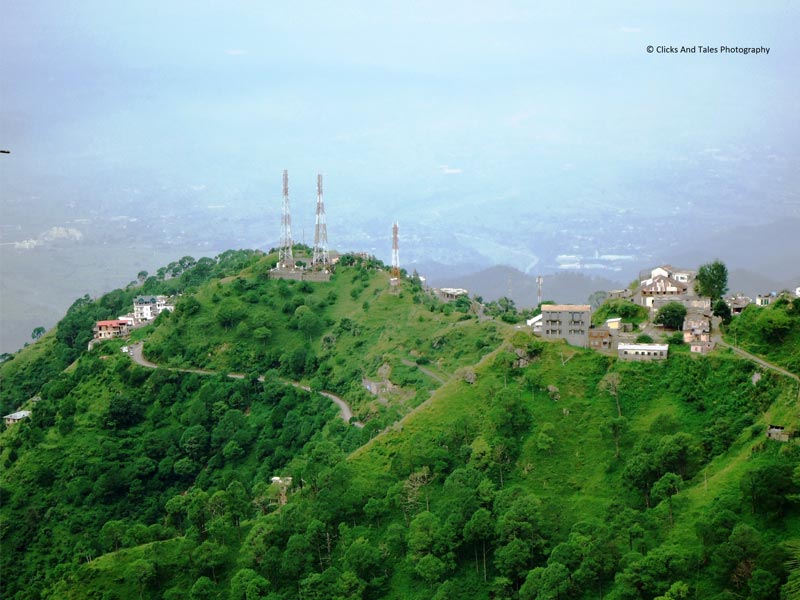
<point x="492" y="464"/>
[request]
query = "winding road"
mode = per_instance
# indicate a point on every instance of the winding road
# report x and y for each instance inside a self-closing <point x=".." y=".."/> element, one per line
<point x="345" y="412"/>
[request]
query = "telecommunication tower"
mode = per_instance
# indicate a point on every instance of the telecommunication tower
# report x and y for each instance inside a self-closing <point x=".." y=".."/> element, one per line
<point x="320" y="258"/>
<point x="285" y="258"/>
<point x="395" y="251"/>
<point x="539" y="281"/>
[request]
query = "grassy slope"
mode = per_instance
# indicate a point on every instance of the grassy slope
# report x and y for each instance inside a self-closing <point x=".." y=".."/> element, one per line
<point x="576" y="480"/>
<point x="386" y="327"/>
<point x="772" y="332"/>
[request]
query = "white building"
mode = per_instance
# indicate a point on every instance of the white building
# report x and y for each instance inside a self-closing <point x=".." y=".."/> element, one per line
<point x="643" y="351"/>
<point x="536" y="323"/>
<point x="146" y="308"/>
<point x="16" y="417"/>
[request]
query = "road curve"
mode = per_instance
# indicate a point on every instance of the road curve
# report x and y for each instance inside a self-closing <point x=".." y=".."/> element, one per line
<point x="758" y="360"/>
<point x="345" y="412"/>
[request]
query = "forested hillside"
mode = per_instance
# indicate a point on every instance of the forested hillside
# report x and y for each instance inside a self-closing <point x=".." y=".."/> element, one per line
<point x="491" y="464"/>
<point x="772" y="331"/>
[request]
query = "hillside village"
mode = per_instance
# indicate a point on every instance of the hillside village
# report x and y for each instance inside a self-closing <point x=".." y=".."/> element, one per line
<point x="633" y="335"/>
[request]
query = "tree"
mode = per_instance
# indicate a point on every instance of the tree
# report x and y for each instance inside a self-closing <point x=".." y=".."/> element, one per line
<point x="666" y="488"/>
<point x="307" y="321"/>
<point x="37" y="333"/>
<point x="480" y="528"/>
<point x="247" y="584"/>
<point x="597" y="298"/>
<point x="203" y="589"/>
<point x="616" y="426"/>
<point x="141" y="572"/>
<point x="141" y="276"/>
<point x="671" y="315"/>
<point x="111" y="535"/>
<point x="723" y="311"/>
<point x="430" y="568"/>
<point x="712" y="280"/>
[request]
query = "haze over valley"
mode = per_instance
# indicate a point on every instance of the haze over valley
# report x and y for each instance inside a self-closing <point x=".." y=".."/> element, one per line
<point x="545" y="140"/>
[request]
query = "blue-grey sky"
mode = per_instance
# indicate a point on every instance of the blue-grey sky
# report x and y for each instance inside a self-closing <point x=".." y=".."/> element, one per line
<point x="470" y="119"/>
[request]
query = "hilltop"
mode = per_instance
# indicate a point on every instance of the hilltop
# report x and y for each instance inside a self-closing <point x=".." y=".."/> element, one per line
<point x="491" y="463"/>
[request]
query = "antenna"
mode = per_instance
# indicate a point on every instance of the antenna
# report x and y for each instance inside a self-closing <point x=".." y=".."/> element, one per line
<point x="320" y="258"/>
<point x="395" y="251"/>
<point x="285" y="258"/>
<point x="539" y="281"/>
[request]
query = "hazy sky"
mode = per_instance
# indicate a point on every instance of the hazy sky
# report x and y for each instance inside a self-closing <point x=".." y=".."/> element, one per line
<point x="474" y="112"/>
<point x="402" y="93"/>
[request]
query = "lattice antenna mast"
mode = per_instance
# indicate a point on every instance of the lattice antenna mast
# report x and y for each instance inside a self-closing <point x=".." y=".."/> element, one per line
<point x="539" y="280"/>
<point x="321" y="257"/>
<point x="395" y="251"/>
<point x="285" y="258"/>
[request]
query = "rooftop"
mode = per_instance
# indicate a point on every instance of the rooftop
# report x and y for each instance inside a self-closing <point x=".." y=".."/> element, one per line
<point x="566" y="307"/>
<point x="20" y="414"/>
<point x="645" y="347"/>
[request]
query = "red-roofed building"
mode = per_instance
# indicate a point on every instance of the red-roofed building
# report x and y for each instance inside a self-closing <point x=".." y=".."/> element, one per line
<point x="106" y="330"/>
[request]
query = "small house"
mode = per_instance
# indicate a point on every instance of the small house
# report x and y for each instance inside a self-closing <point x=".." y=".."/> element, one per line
<point x="696" y="329"/>
<point x="765" y="299"/>
<point x="698" y="347"/>
<point x="599" y="338"/>
<point x="107" y="330"/>
<point x="450" y="294"/>
<point x="777" y="433"/>
<point x="16" y="417"/>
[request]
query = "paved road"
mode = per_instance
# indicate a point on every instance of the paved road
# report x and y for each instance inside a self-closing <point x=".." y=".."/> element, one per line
<point x="345" y="412"/>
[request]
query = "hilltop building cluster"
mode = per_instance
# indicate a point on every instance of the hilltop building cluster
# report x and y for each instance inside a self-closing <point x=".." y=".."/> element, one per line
<point x="145" y="309"/>
<point x="656" y="288"/>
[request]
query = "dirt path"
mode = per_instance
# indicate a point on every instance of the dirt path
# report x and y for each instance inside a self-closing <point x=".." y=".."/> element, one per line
<point x="758" y="360"/>
<point x="427" y="372"/>
<point x="345" y="412"/>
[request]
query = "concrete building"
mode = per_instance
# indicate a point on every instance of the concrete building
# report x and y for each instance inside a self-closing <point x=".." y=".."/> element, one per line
<point x="661" y="287"/>
<point x="696" y="329"/>
<point x="698" y="347"/>
<point x="766" y="299"/>
<point x="738" y="303"/>
<point x="693" y="304"/>
<point x="643" y="351"/>
<point x="450" y="294"/>
<point x="570" y="322"/>
<point x="147" y="308"/>
<point x="108" y="330"/>
<point x="600" y="338"/>
<point x="680" y="275"/>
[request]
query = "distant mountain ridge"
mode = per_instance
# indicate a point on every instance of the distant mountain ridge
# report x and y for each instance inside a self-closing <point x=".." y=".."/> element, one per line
<point x="495" y="282"/>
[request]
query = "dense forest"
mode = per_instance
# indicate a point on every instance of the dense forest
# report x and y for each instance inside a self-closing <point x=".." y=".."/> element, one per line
<point x="484" y="462"/>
